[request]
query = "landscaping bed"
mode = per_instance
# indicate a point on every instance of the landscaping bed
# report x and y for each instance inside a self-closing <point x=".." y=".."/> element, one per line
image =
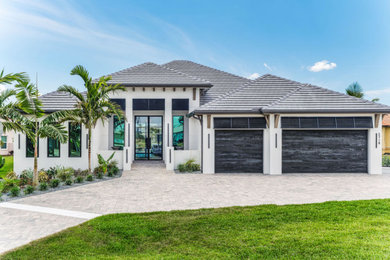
<point x="15" y="186"/>
<point x="336" y="230"/>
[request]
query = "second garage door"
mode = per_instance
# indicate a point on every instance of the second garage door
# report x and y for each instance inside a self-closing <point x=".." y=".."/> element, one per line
<point x="324" y="151"/>
<point x="238" y="151"/>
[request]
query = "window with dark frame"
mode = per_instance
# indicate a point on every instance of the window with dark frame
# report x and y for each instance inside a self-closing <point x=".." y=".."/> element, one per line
<point x="118" y="133"/>
<point x="74" y="142"/>
<point x="4" y="142"/>
<point x="53" y="147"/>
<point x="178" y="132"/>
<point x="30" y="147"/>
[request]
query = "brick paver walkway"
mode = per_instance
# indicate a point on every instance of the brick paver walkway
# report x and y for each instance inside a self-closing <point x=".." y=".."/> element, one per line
<point x="147" y="188"/>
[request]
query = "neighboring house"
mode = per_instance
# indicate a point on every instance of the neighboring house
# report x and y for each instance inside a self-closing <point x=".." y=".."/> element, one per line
<point x="183" y="110"/>
<point x="7" y="143"/>
<point x="386" y="135"/>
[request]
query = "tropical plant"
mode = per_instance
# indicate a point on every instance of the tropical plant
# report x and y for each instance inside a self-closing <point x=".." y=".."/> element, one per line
<point x="15" y="191"/>
<point x="43" y="186"/>
<point x="92" y="106"/>
<point x="65" y="173"/>
<point x="8" y="184"/>
<point x="189" y="166"/>
<point x="42" y="176"/>
<point x="104" y="163"/>
<point x="54" y="183"/>
<point x="89" y="177"/>
<point x="9" y="114"/>
<point x="79" y="179"/>
<point x="356" y="90"/>
<point x="112" y="168"/>
<point x="34" y="126"/>
<point x="26" y="177"/>
<point x="2" y="161"/>
<point x="29" y="189"/>
<point x="11" y="175"/>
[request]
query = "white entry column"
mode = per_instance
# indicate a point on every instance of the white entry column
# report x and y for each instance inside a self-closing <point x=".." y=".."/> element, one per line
<point x="129" y="142"/>
<point x="374" y="152"/>
<point x="167" y="129"/>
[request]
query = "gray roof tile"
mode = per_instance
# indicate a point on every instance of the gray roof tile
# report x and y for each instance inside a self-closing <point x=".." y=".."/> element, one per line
<point x="223" y="82"/>
<point x="151" y="74"/>
<point x="272" y="94"/>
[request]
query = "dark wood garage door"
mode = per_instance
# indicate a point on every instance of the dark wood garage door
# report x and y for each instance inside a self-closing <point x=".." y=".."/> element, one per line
<point x="238" y="151"/>
<point x="324" y="151"/>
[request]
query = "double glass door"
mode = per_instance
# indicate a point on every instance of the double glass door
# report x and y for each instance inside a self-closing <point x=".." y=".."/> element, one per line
<point x="148" y="138"/>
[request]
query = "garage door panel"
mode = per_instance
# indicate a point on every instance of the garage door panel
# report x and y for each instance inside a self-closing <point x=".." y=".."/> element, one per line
<point x="324" y="151"/>
<point x="238" y="151"/>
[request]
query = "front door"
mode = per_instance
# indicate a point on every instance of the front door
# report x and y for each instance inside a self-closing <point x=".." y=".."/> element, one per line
<point x="148" y="138"/>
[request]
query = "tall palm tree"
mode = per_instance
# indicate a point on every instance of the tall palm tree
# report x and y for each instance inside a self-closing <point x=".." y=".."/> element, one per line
<point x="34" y="125"/>
<point x="92" y="106"/>
<point x="355" y="90"/>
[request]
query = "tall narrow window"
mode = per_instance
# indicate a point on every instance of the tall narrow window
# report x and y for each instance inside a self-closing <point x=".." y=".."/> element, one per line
<point x="53" y="147"/>
<point x="30" y="147"/>
<point x="178" y="132"/>
<point x="4" y="142"/>
<point x="74" y="140"/>
<point x="119" y="133"/>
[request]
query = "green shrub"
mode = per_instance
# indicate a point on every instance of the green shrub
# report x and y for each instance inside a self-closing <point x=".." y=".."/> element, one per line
<point x="386" y="161"/>
<point x="42" y="176"/>
<point x="8" y="184"/>
<point x="89" y="177"/>
<point x="43" y="186"/>
<point x="68" y="182"/>
<point x="98" y="169"/>
<point x="65" y="173"/>
<point x="99" y="175"/>
<point x="11" y="175"/>
<point x="112" y="168"/>
<point x="79" y="179"/>
<point x="52" y="172"/>
<point x="189" y="166"/>
<point x="54" y="183"/>
<point x="82" y="173"/>
<point x="26" y="177"/>
<point x="29" y="189"/>
<point x="15" y="191"/>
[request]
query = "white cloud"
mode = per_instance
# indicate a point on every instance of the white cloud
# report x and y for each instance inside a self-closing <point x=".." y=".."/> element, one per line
<point x="268" y="67"/>
<point x="254" y="76"/>
<point x="322" y="65"/>
<point x="377" y="92"/>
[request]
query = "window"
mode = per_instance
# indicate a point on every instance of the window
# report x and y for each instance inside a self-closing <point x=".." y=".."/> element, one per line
<point x="30" y="147"/>
<point x="326" y="122"/>
<point x="239" y="122"/>
<point x="119" y="133"/>
<point x="74" y="140"/>
<point x="178" y="132"/>
<point x="53" y="147"/>
<point x="3" y="142"/>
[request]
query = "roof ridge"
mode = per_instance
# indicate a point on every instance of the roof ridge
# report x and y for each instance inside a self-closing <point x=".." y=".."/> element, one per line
<point x="233" y="91"/>
<point x="189" y="61"/>
<point x="185" y="74"/>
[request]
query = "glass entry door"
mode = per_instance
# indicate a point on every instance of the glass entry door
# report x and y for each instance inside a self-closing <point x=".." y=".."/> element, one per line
<point x="148" y="138"/>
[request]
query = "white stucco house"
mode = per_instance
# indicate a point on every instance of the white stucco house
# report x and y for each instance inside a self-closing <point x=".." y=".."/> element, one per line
<point x="182" y="110"/>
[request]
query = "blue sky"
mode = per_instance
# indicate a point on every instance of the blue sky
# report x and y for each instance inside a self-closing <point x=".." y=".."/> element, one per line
<point x="327" y="43"/>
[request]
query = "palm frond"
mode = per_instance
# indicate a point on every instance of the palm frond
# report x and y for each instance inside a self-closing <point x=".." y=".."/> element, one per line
<point x="5" y="95"/>
<point x="28" y="101"/>
<point x="54" y="131"/>
<point x="82" y="72"/>
<point x="12" y="77"/>
<point x="63" y="116"/>
<point x="72" y="91"/>
<point x="355" y="90"/>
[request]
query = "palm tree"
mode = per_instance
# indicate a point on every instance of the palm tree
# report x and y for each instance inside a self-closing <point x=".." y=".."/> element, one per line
<point x="10" y="117"/>
<point x="27" y="96"/>
<point x="92" y="106"/>
<point x="355" y="90"/>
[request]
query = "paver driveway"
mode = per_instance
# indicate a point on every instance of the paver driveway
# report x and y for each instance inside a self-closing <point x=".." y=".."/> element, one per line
<point x="151" y="188"/>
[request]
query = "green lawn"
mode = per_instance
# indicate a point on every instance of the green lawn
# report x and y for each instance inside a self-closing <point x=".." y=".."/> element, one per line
<point x="8" y="166"/>
<point x="339" y="230"/>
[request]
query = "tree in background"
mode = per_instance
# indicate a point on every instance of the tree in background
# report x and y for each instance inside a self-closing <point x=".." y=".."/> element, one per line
<point x="356" y="90"/>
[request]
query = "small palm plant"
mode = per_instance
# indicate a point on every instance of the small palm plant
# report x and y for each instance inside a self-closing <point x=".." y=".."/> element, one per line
<point x="356" y="90"/>
<point x="34" y="125"/>
<point x="104" y="163"/>
<point x="91" y="107"/>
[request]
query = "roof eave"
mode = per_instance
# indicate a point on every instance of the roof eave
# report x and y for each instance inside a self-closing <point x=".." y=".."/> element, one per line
<point x="323" y="111"/>
<point x="205" y="112"/>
